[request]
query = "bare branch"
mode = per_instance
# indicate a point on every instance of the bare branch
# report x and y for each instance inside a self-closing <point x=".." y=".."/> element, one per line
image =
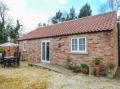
<point x="3" y="10"/>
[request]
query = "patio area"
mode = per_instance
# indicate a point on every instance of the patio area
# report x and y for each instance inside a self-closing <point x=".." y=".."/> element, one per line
<point x="26" y="77"/>
<point x="52" y="67"/>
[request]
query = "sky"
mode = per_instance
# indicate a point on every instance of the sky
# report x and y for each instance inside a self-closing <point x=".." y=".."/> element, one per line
<point x="31" y="12"/>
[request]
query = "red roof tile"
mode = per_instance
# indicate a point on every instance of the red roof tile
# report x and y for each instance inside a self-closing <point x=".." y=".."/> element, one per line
<point x="88" y="24"/>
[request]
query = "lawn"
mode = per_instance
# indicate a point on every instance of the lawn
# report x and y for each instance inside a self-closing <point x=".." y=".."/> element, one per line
<point x="26" y="77"/>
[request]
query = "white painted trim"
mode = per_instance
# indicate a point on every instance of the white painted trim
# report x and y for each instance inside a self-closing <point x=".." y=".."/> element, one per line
<point x="82" y="52"/>
<point x="23" y="46"/>
<point x="44" y="61"/>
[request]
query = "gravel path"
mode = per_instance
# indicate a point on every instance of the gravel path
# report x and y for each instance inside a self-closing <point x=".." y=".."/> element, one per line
<point x="26" y="77"/>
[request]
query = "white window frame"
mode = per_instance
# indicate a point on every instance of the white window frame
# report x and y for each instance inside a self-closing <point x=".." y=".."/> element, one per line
<point x="78" y="51"/>
<point x="24" y="46"/>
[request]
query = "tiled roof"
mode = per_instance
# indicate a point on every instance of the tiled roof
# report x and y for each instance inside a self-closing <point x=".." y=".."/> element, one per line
<point x="88" y="24"/>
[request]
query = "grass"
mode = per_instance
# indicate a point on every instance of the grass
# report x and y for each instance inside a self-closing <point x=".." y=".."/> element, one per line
<point x="25" y="77"/>
<point x="12" y="78"/>
<point x="16" y="83"/>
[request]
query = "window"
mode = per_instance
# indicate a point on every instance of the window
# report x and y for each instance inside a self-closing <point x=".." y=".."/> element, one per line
<point x="24" y="46"/>
<point x="78" y="45"/>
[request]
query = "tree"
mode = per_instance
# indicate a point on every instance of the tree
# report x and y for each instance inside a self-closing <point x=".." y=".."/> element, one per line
<point x="72" y="14"/>
<point x="113" y="4"/>
<point x="3" y="32"/>
<point x="7" y="30"/>
<point x="14" y="31"/>
<point x="85" y="11"/>
<point x="17" y="30"/>
<point x="67" y="17"/>
<point x="57" y="18"/>
<point x="109" y="6"/>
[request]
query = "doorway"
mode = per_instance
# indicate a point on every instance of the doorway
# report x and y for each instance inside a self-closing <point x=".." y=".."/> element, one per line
<point x="45" y="51"/>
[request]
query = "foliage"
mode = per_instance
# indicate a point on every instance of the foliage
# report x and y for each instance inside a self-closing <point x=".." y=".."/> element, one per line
<point x="85" y="11"/>
<point x="58" y="17"/>
<point x="84" y="68"/>
<point x="2" y="49"/>
<point x="6" y="27"/>
<point x="71" y="65"/>
<point x="72" y="14"/>
<point x="76" y="68"/>
<point x="14" y="32"/>
<point x="62" y="16"/>
<point x="111" y="65"/>
<point x="97" y="61"/>
<point x="109" y="6"/>
<point x="3" y="34"/>
<point x="113" y="4"/>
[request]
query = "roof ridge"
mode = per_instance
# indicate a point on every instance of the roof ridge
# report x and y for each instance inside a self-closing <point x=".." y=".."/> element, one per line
<point x="86" y="24"/>
<point x="74" y="20"/>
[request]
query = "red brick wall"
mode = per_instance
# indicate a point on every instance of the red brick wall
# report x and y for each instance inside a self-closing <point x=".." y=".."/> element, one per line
<point x="101" y="44"/>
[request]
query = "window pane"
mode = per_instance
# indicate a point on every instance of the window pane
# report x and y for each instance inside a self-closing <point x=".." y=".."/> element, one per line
<point x="73" y="47"/>
<point x="43" y="51"/>
<point x="74" y="44"/>
<point x="81" y="47"/>
<point x="74" y="41"/>
<point x="82" y="44"/>
<point x="82" y="41"/>
<point x="48" y="52"/>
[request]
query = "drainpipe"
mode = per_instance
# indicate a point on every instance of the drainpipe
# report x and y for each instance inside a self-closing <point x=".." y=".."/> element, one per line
<point x="118" y="27"/>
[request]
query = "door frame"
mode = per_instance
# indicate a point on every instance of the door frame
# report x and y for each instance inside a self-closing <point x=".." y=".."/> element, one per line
<point x="44" y="61"/>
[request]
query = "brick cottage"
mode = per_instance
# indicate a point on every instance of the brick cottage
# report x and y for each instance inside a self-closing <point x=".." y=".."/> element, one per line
<point x="82" y="39"/>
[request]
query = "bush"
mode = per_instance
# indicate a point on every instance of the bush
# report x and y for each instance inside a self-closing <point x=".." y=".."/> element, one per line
<point x="71" y="65"/>
<point x="2" y="49"/>
<point x="97" y="61"/>
<point x="84" y="68"/>
<point x="76" y="68"/>
<point x="111" y="65"/>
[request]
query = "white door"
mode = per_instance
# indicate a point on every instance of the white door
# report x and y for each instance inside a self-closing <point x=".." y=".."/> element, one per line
<point x="45" y="51"/>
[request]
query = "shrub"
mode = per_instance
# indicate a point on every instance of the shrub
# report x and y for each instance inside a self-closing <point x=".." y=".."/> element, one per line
<point x="71" y="65"/>
<point x="76" y="68"/>
<point x="111" y="65"/>
<point x="97" y="61"/>
<point x="84" y="68"/>
<point x="2" y="49"/>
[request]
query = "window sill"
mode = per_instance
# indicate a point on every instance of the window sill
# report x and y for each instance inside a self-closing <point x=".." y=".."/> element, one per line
<point x="84" y="53"/>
